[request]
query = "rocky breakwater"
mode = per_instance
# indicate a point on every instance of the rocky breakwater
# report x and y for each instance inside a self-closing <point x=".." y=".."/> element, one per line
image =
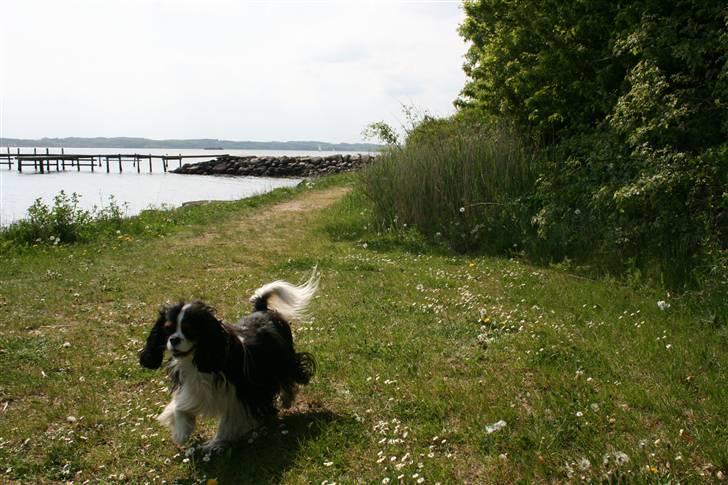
<point x="299" y="166"/>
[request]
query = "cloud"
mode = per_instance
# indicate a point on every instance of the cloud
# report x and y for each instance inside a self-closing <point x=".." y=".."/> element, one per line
<point x="224" y="69"/>
<point x="342" y="54"/>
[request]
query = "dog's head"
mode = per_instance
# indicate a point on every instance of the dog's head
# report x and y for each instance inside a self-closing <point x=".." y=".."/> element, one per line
<point x="187" y="330"/>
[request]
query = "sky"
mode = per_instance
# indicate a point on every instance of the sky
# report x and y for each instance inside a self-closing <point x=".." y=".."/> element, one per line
<point x="224" y="69"/>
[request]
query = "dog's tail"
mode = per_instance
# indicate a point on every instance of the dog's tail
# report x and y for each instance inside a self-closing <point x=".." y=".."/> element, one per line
<point x="283" y="297"/>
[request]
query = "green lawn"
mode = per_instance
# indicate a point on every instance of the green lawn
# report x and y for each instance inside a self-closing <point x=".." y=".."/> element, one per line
<point x="419" y="351"/>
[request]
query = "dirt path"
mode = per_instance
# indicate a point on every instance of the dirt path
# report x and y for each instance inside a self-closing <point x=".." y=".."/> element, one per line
<point x="308" y="201"/>
<point x="269" y="222"/>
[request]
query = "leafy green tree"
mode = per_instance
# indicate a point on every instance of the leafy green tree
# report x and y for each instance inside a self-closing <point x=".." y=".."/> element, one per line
<point x="630" y="102"/>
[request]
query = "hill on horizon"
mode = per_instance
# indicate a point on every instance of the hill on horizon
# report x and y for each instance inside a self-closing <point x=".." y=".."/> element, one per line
<point x="202" y="143"/>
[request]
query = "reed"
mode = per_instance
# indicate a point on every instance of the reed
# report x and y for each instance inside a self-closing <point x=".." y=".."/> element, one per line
<point x="468" y="186"/>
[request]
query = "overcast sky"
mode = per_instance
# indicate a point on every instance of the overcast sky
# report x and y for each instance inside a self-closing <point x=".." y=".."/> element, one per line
<point x="237" y="70"/>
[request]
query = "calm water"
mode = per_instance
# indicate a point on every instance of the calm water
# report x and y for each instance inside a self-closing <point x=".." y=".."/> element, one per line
<point x="139" y="191"/>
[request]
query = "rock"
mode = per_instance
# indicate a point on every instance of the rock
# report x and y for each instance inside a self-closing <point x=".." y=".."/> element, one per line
<point x="284" y="166"/>
<point x="220" y="167"/>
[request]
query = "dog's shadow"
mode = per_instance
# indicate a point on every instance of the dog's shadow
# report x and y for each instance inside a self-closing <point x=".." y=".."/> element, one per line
<point x="266" y="455"/>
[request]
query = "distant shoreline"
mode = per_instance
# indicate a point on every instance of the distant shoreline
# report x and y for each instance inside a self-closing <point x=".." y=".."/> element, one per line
<point x="203" y="143"/>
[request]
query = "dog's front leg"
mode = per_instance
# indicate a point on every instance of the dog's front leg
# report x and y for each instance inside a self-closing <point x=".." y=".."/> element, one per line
<point x="181" y="422"/>
<point x="184" y="425"/>
<point x="234" y="424"/>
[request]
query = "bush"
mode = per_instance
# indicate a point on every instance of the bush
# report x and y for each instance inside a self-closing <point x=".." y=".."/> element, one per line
<point x="64" y="222"/>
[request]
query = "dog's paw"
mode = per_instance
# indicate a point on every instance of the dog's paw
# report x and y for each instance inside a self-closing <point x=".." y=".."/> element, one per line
<point x="180" y="434"/>
<point x="213" y="446"/>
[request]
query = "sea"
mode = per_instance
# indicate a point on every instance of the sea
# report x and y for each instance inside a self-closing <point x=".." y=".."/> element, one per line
<point x="136" y="191"/>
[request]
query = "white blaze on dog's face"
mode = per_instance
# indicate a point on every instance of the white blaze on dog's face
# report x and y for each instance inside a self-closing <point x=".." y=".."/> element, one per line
<point x="179" y="343"/>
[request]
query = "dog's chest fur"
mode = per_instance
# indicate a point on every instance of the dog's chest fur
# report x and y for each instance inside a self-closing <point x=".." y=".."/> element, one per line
<point x="201" y="392"/>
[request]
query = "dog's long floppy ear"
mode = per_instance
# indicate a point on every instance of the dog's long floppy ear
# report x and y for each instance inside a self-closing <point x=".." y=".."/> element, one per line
<point x="211" y="341"/>
<point x="153" y="354"/>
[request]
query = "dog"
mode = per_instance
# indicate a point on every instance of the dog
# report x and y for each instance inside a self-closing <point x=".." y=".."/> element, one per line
<point x="237" y="373"/>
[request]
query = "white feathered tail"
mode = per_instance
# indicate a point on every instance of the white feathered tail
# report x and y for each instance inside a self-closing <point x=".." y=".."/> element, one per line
<point x="287" y="299"/>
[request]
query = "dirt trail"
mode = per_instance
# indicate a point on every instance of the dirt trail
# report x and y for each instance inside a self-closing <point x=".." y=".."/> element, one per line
<point x="277" y="221"/>
<point x="308" y="201"/>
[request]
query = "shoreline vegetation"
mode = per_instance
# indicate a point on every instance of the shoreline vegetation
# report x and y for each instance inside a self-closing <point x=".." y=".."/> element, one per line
<point x="462" y="367"/>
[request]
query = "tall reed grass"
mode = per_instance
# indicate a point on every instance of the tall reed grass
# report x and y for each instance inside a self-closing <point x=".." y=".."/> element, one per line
<point x="469" y="186"/>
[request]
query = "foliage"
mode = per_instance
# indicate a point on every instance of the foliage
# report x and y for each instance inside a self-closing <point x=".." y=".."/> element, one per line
<point x="630" y="102"/>
<point x="464" y="184"/>
<point x="379" y="130"/>
<point x="64" y="222"/>
<point x="544" y="65"/>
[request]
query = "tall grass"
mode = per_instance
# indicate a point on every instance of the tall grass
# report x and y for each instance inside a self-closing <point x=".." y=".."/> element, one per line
<point x="469" y="186"/>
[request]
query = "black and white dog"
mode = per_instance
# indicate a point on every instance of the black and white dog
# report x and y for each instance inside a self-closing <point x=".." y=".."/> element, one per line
<point x="236" y="373"/>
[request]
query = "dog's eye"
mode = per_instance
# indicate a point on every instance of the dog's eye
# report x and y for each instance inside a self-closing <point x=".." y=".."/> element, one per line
<point x="168" y="325"/>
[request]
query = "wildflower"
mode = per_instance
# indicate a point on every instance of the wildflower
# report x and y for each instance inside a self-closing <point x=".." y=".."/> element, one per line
<point x="579" y="414"/>
<point x="584" y="464"/>
<point x="498" y="425"/>
<point x="577" y="212"/>
<point x="328" y="463"/>
<point x="462" y="210"/>
<point x="663" y="305"/>
<point x="620" y="458"/>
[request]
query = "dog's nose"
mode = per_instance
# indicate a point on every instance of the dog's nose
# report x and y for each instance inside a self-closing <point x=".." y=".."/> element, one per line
<point x="174" y="341"/>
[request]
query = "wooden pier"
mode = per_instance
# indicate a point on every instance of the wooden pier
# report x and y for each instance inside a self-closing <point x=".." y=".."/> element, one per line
<point x="116" y="162"/>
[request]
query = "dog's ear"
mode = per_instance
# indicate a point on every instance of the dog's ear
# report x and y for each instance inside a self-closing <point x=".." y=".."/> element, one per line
<point x="211" y="342"/>
<point x="153" y="354"/>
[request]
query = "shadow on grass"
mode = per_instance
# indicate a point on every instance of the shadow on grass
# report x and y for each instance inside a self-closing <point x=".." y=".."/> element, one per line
<point x="276" y="449"/>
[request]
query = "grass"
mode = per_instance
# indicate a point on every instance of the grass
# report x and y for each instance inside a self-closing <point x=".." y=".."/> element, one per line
<point x="418" y="350"/>
<point x="467" y="185"/>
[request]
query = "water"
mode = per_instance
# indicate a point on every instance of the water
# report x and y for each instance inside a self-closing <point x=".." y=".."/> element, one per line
<point x="139" y="190"/>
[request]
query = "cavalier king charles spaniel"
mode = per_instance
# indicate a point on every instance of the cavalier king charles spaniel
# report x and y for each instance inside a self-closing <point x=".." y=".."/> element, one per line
<point x="237" y="373"/>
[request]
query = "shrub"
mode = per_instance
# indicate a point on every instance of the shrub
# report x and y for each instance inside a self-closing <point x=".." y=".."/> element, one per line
<point x="64" y="222"/>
